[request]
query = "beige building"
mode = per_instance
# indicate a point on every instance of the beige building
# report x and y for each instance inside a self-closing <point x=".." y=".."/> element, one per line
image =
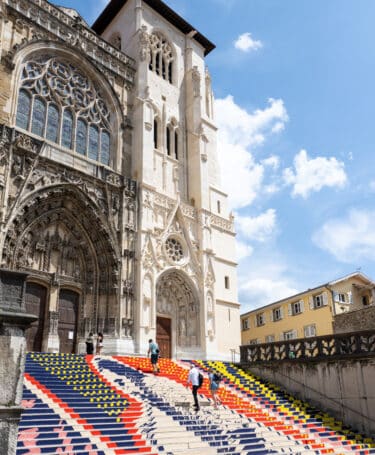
<point x="110" y="195"/>
<point x="308" y="314"/>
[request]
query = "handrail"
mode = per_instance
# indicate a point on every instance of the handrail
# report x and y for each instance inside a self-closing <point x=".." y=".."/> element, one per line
<point x="343" y="345"/>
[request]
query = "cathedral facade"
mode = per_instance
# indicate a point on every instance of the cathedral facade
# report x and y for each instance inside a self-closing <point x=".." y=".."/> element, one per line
<point x="110" y="193"/>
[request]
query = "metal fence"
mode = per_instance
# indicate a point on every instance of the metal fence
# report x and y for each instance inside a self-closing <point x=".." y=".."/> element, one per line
<point x="330" y="346"/>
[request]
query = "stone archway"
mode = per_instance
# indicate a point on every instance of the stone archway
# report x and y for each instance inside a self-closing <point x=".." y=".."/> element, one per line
<point x="177" y="299"/>
<point x="59" y="236"/>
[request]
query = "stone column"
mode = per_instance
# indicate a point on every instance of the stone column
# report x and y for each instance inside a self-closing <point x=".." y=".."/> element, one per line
<point x="13" y="323"/>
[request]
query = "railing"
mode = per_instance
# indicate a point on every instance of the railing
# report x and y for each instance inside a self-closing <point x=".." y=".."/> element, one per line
<point x="344" y="345"/>
<point x="234" y="355"/>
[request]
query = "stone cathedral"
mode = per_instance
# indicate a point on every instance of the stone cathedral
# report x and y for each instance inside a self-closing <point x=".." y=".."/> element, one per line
<point x="110" y="195"/>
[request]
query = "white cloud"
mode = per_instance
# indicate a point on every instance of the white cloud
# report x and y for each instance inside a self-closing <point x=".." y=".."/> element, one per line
<point x="349" y="239"/>
<point x="246" y="43"/>
<point x="243" y="250"/>
<point x="237" y="126"/>
<point x="372" y="185"/>
<point x="279" y="126"/>
<point x="241" y="176"/>
<point x="258" y="228"/>
<point x="264" y="290"/>
<point x="239" y="130"/>
<point x="271" y="189"/>
<point x="311" y="175"/>
<point x="272" y="161"/>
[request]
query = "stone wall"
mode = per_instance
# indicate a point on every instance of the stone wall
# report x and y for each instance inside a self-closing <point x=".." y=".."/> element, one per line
<point x="343" y="388"/>
<point x="355" y="321"/>
<point x="13" y="322"/>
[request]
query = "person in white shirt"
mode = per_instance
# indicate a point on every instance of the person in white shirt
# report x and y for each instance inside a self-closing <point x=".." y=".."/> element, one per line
<point x="193" y="379"/>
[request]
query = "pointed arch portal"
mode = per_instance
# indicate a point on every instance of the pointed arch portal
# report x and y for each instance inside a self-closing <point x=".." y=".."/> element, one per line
<point x="59" y="238"/>
<point x="177" y="301"/>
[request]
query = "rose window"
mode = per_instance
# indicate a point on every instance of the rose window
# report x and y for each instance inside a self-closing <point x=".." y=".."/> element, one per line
<point x="174" y="249"/>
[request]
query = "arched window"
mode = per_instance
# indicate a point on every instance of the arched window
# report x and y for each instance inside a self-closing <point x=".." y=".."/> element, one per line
<point x="39" y="116"/>
<point x="105" y="142"/>
<point x="67" y="129"/>
<point x="58" y="102"/>
<point x="161" y="57"/>
<point x="53" y="121"/>
<point x="81" y="137"/>
<point x="93" y="142"/>
<point x="23" y="109"/>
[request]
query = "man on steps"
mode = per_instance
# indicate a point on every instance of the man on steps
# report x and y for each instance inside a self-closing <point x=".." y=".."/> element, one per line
<point x="193" y="379"/>
<point x="153" y="352"/>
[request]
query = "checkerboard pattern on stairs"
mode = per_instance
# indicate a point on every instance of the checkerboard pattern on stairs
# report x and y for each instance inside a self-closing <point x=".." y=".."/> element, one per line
<point x="101" y="405"/>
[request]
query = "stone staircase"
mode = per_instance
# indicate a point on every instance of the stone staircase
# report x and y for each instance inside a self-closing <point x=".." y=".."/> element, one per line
<point x="93" y="405"/>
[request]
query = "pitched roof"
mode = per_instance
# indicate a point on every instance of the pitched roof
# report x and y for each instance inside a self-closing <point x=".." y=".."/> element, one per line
<point x="114" y="6"/>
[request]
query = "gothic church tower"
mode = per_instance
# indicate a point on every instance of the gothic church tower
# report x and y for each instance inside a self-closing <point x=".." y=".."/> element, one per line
<point x="110" y="196"/>
<point x="185" y="272"/>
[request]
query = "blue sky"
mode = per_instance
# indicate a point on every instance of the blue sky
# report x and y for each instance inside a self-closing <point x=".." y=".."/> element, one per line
<point x="295" y="104"/>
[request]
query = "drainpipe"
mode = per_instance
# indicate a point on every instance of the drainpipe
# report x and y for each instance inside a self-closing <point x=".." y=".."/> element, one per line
<point x="333" y="301"/>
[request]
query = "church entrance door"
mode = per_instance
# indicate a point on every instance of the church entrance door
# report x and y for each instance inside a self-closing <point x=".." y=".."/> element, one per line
<point x="164" y="336"/>
<point x="35" y="300"/>
<point x="68" y="317"/>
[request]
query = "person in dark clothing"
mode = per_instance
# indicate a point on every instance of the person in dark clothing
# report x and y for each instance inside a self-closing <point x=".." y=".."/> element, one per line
<point x="90" y="344"/>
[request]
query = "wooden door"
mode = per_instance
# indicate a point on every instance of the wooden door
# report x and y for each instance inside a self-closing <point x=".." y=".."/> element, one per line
<point x="164" y="336"/>
<point x="35" y="300"/>
<point x="68" y="317"/>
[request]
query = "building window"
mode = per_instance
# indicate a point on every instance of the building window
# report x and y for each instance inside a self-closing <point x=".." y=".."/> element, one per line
<point x="168" y="134"/>
<point x="53" y="121"/>
<point x="67" y="130"/>
<point x="318" y="301"/>
<point x="23" y="110"/>
<point x="218" y="207"/>
<point x="161" y="57"/>
<point x="174" y="249"/>
<point x="341" y="298"/>
<point x="226" y="282"/>
<point x="38" y="117"/>
<point x="309" y="331"/>
<point x="260" y="319"/>
<point x="296" y="308"/>
<point x="277" y="314"/>
<point x="156" y="134"/>
<point x="270" y="338"/>
<point x="365" y="300"/>
<point x="290" y="335"/>
<point x="176" y="145"/>
<point x="58" y="102"/>
<point x="245" y="324"/>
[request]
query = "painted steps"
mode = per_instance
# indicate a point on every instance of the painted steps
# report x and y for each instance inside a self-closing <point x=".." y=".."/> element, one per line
<point x="90" y="405"/>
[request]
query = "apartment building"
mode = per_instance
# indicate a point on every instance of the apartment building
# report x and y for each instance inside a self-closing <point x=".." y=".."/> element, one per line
<point x="309" y="313"/>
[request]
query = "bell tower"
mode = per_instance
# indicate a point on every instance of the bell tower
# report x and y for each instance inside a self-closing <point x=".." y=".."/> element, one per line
<point x="186" y="267"/>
